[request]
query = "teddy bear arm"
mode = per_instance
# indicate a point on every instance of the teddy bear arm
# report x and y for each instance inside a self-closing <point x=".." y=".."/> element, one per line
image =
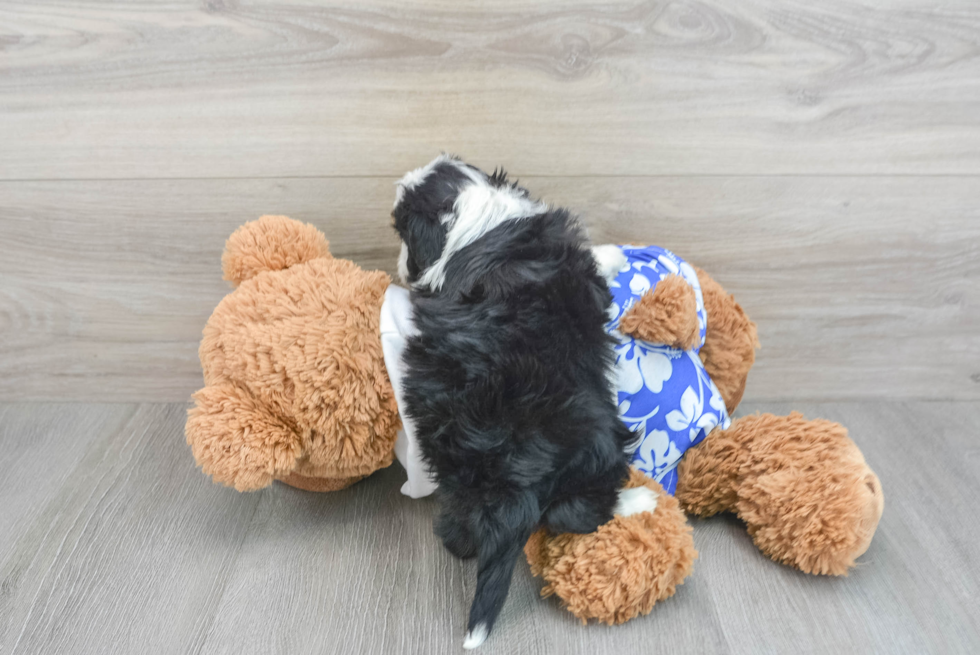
<point x="237" y="440"/>
<point x="730" y="343"/>
<point x="666" y="314"/>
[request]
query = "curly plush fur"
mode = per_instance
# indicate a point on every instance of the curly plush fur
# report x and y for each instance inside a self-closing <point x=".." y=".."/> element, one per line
<point x="296" y="386"/>
<point x="667" y="314"/>
<point x="802" y="487"/>
<point x="272" y="243"/>
<point x="730" y="344"/>
<point x="625" y="567"/>
<point x="296" y="390"/>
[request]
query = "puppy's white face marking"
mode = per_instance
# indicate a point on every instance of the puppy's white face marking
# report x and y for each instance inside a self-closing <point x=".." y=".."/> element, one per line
<point x="478" y="208"/>
<point x="412" y="179"/>
<point x="634" y="501"/>
<point x="476" y="637"/>
<point x="408" y="182"/>
<point x="403" y="264"/>
<point x="610" y="260"/>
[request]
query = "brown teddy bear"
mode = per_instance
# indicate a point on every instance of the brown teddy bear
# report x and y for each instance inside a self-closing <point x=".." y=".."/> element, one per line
<point x="297" y="389"/>
<point x="802" y="487"/>
<point x="295" y="383"/>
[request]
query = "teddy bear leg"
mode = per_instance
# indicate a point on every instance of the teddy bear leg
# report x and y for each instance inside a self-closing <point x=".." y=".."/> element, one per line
<point x="803" y="489"/>
<point x="622" y="569"/>
<point x="237" y="440"/>
<point x="730" y="343"/>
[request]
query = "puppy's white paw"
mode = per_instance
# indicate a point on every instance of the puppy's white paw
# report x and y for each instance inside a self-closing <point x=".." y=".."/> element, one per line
<point x="635" y="500"/>
<point x="475" y="637"/>
<point x="609" y="260"/>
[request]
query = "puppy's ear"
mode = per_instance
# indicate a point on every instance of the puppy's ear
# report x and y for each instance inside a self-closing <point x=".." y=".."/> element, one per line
<point x="424" y="209"/>
<point x="425" y="237"/>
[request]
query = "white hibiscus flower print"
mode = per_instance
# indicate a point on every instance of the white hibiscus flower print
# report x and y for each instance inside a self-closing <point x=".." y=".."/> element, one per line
<point x="717" y="402"/>
<point x="690" y="275"/>
<point x="668" y="264"/>
<point x="707" y="423"/>
<point x="664" y="394"/>
<point x="658" y="451"/>
<point x="656" y="369"/>
<point x="639" y="285"/>
<point x="650" y="371"/>
<point x="690" y="416"/>
<point x="630" y="378"/>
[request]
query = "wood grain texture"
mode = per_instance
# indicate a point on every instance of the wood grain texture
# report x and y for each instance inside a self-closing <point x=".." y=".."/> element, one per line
<point x="130" y="549"/>
<point x="36" y="459"/>
<point x="861" y="288"/>
<point x="132" y="553"/>
<point x="289" y="88"/>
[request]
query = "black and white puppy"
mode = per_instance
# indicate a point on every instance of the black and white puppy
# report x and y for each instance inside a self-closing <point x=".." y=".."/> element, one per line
<point x="508" y="379"/>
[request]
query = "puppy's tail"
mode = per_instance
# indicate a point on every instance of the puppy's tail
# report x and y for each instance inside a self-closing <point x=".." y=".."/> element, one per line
<point x="502" y="532"/>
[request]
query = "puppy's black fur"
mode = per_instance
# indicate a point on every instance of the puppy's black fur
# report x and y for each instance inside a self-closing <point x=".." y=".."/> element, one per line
<point x="507" y="382"/>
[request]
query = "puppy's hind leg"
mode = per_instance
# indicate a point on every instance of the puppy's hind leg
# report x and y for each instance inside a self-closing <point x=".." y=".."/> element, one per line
<point x="583" y="512"/>
<point x="455" y="533"/>
<point x="501" y="531"/>
<point x="596" y="505"/>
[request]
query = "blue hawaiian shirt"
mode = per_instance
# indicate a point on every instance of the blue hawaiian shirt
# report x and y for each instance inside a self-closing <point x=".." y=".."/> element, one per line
<point x="665" y="396"/>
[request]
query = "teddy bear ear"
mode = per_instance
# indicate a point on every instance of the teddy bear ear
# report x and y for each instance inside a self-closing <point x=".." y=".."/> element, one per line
<point x="271" y="243"/>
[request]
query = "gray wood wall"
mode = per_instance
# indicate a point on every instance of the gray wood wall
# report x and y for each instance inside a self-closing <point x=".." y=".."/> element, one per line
<point x="822" y="160"/>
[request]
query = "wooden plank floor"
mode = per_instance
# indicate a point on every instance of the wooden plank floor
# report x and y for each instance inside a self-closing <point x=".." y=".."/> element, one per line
<point x="112" y="542"/>
<point x="822" y="160"/>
